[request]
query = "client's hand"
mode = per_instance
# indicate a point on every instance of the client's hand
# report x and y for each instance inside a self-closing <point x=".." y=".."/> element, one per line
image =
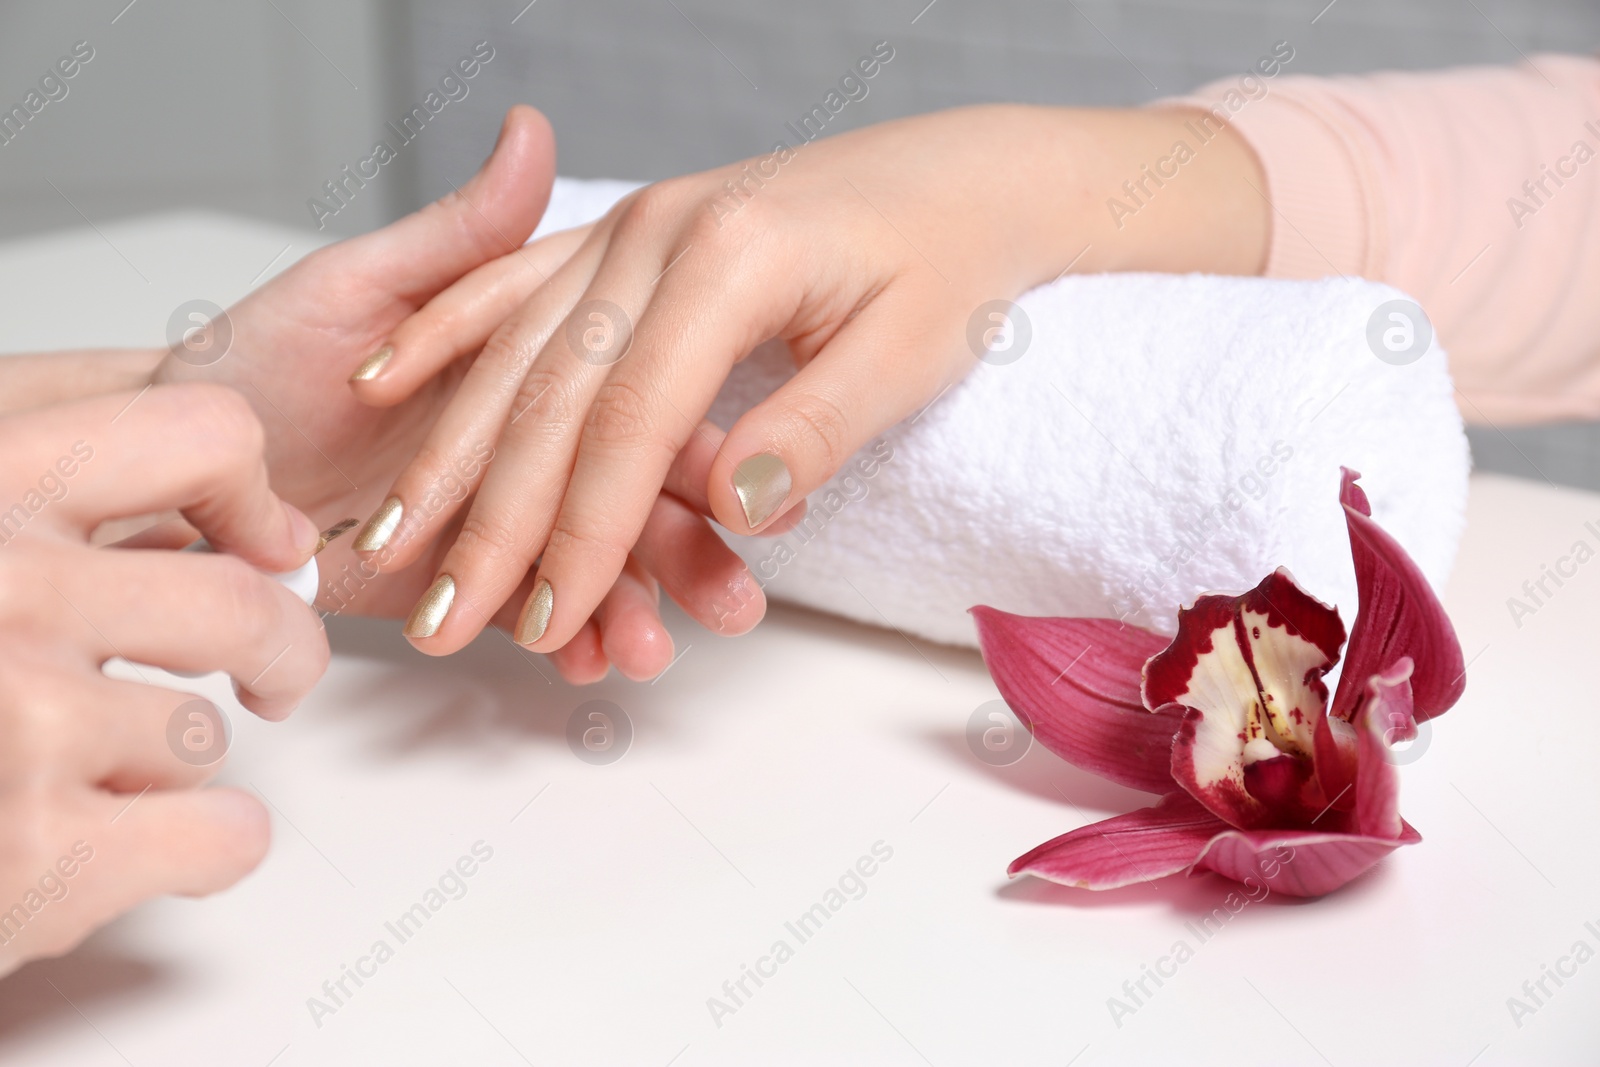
<point x="97" y="809"/>
<point x="882" y="258"/>
<point x="297" y="340"/>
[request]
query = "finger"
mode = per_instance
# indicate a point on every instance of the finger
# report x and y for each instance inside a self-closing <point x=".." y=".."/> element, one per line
<point x="806" y="430"/>
<point x="195" y="448"/>
<point x="392" y="272"/>
<point x="460" y="320"/>
<point x="690" y="474"/>
<point x="188" y="612"/>
<point x="493" y="399"/>
<point x="691" y="467"/>
<point x="43" y="379"/>
<point x="147" y="736"/>
<point x="190" y="843"/>
<point x="701" y="574"/>
<point x="632" y="634"/>
<point x="72" y="724"/>
<point x="490" y="215"/>
<point x="582" y="661"/>
<point x="110" y="852"/>
<point x="629" y="621"/>
<point x="512" y="515"/>
<point x="640" y="419"/>
<point x="167" y="534"/>
<point x="113" y="733"/>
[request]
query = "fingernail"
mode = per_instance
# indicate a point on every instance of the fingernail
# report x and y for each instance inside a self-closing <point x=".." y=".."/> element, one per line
<point x="536" y="614"/>
<point x="763" y="484"/>
<point x="306" y="534"/>
<point x="271" y="711"/>
<point x="373" y="365"/>
<point x="428" y="615"/>
<point x="376" y="533"/>
<point x="239" y="814"/>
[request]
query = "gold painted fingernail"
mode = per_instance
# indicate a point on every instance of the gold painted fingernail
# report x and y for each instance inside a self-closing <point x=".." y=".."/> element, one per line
<point x="376" y="533"/>
<point x="763" y="484"/>
<point x="373" y="365"/>
<point x="536" y="614"/>
<point x="428" y="615"/>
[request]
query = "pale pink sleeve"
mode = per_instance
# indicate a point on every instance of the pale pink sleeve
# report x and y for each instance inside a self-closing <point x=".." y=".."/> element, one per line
<point x="1476" y="191"/>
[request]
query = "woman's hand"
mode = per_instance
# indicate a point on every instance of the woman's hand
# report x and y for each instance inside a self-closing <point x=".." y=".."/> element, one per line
<point x="39" y="380"/>
<point x="295" y="343"/>
<point x="872" y="255"/>
<point x="98" y="811"/>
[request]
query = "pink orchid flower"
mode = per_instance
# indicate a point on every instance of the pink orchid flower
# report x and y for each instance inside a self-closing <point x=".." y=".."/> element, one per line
<point x="1230" y="721"/>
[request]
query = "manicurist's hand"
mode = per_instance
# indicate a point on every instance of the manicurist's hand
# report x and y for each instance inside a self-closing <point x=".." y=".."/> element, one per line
<point x="98" y="811"/>
<point x="867" y="254"/>
<point x="297" y="340"/>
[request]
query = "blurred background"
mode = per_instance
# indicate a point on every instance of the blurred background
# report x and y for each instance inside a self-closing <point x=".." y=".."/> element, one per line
<point x="249" y="107"/>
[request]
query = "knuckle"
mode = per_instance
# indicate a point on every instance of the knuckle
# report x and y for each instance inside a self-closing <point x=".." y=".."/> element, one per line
<point x="34" y="732"/>
<point x="433" y="328"/>
<point x="647" y="211"/>
<point x="457" y="209"/>
<point x="506" y="353"/>
<point x="623" y="415"/>
<point x="714" y="225"/>
<point x="572" y="538"/>
<point x="435" y="480"/>
<point x="823" y="425"/>
<point x="489" y="539"/>
<point x="425" y="471"/>
<point x="707" y="231"/>
<point x="738" y="213"/>
<point x="246" y="601"/>
<point x="223" y="420"/>
<point x="541" y="398"/>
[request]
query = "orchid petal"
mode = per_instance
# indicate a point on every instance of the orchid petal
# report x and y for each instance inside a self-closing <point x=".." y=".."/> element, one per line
<point x="1385" y="717"/>
<point x="1298" y="863"/>
<point x="1400" y="615"/>
<point x="1268" y="647"/>
<point x="1249" y="668"/>
<point x="1074" y="684"/>
<point x="1286" y="785"/>
<point x="1208" y="762"/>
<point x="1140" y="846"/>
<point x="1336" y="761"/>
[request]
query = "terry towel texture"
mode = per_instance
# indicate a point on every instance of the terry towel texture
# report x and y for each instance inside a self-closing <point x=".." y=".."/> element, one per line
<point x="1159" y="438"/>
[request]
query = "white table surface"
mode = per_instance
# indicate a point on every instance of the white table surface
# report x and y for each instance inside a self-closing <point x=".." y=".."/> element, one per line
<point x="619" y="898"/>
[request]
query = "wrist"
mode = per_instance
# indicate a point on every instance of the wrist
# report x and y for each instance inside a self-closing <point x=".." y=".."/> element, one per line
<point x="1139" y="190"/>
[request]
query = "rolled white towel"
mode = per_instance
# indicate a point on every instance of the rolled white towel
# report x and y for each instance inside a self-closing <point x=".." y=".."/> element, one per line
<point x="1160" y="437"/>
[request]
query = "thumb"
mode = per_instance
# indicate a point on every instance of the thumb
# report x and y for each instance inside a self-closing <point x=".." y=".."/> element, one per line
<point x="492" y="214"/>
<point x="870" y="376"/>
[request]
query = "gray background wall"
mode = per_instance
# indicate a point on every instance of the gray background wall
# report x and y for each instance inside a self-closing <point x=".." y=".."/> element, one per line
<point x="250" y="105"/>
